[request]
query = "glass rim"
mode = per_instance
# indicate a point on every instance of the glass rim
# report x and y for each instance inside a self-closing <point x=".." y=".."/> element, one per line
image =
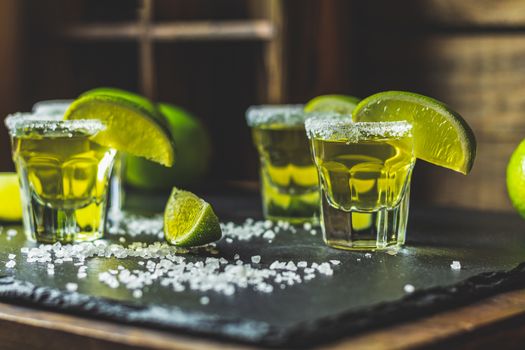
<point x="287" y="114"/>
<point x="342" y="127"/>
<point x="49" y="125"/>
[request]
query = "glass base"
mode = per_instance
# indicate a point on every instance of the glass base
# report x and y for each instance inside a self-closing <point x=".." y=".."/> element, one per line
<point x="50" y="225"/>
<point x="355" y="230"/>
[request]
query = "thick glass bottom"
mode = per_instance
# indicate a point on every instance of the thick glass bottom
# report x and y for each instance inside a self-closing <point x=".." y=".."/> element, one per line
<point x="356" y="230"/>
<point x="50" y="225"/>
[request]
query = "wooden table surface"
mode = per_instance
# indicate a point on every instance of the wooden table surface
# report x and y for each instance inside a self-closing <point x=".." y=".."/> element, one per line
<point x="498" y="321"/>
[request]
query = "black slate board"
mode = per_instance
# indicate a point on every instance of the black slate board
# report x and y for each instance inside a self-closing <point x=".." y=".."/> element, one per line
<point x="359" y="296"/>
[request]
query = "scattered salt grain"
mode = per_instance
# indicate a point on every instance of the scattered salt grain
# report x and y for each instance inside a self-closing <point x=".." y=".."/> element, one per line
<point x="269" y="234"/>
<point x="10" y="264"/>
<point x="71" y="287"/>
<point x="11" y="232"/>
<point x="313" y="232"/>
<point x="137" y="294"/>
<point x="204" y="300"/>
<point x="456" y="265"/>
<point x="335" y="262"/>
<point x="302" y="264"/>
<point x="307" y="226"/>
<point x="368" y="255"/>
<point x="408" y="288"/>
<point x="11" y="256"/>
<point x="256" y="259"/>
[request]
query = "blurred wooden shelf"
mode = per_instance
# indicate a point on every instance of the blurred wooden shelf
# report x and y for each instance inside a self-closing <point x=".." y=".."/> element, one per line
<point x="265" y="25"/>
<point x="253" y="30"/>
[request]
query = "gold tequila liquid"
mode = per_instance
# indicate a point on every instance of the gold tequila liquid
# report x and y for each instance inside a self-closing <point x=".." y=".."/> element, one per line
<point x="66" y="180"/>
<point x="365" y="187"/>
<point x="289" y="177"/>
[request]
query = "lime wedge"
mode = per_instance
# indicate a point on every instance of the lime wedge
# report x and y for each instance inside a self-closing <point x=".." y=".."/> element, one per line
<point x="139" y="101"/>
<point x="189" y="221"/>
<point x="10" y="203"/>
<point x="441" y="136"/>
<point x="193" y="154"/>
<point x="332" y="103"/>
<point x="516" y="178"/>
<point x="130" y="126"/>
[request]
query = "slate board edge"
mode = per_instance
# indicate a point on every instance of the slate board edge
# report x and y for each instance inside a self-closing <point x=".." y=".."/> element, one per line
<point x="303" y="334"/>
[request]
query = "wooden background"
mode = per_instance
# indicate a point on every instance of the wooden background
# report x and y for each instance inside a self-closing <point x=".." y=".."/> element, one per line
<point x="469" y="53"/>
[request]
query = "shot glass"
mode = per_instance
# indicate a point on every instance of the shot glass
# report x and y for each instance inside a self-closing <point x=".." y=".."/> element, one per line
<point x="58" y="108"/>
<point x="365" y="171"/>
<point x="63" y="176"/>
<point x="289" y="184"/>
<point x="51" y="107"/>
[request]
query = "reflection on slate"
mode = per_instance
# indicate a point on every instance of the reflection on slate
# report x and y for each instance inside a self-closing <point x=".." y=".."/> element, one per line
<point x="363" y="293"/>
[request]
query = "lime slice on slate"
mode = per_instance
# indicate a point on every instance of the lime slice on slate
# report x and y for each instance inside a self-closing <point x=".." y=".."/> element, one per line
<point x="189" y="221"/>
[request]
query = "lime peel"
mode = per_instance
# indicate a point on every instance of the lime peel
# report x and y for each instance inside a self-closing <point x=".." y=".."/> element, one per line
<point x="516" y="178"/>
<point x="343" y="104"/>
<point x="11" y="209"/>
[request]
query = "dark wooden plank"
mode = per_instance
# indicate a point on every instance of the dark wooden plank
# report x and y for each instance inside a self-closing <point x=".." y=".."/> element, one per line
<point x="464" y="14"/>
<point x="486" y="315"/>
<point x="10" y="44"/>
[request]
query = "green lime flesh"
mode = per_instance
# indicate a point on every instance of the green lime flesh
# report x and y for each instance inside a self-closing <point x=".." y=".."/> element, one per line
<point x="441" y="136"/>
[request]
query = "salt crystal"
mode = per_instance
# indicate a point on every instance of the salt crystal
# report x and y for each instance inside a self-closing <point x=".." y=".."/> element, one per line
<point x="456" y="265"/>
<point x="236" y="257"/>
<point x="368" y="255"/>
<point x="10" y="264"/>
<point x="269" y="235"/>
<point x="408" y="288"/>
<point x="11" y="256"/>
<point x="291" y="266"/>
<point x="71" y="287"/>
<point x="204" y="300"/>
<point x="256" y="259"/>
<point x="11" y="232"/>
<point x="137" y="293"/>
<point x="313" y="232"/>
<point x="307" y="226"/>
<point x="335" y="262"/>
<point x="302" y="264"/>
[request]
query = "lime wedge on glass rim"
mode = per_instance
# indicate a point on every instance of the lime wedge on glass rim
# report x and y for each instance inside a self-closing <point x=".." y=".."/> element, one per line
<point x="133" y="125"/>
<point x="343" y="104"/>
<point x="441" y="136"/>
<point x="189" y="221"/>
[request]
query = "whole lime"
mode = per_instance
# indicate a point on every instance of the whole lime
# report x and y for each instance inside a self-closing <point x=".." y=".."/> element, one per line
<point x="516" y="178"/>
<point x="193" y="146"/>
